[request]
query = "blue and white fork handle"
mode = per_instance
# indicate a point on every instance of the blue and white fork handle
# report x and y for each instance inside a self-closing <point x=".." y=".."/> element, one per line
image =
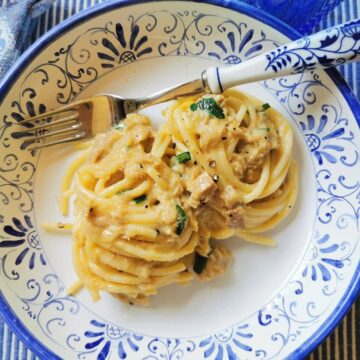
<point x="327" y="48"/>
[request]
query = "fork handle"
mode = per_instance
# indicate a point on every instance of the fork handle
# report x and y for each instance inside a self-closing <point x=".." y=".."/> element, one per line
<point x="327" y="48"/>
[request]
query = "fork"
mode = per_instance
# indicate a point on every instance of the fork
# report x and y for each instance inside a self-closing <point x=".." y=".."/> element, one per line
<point x="86" y="118"/>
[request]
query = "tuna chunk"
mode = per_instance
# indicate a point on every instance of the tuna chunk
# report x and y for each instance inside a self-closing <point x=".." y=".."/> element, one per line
<point x="236" y="218"/>
<point x="217" y="263"/>
<point x="202" y="187"/>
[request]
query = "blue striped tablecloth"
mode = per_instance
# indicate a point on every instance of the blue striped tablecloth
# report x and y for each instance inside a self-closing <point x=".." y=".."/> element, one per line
<point x="344" y="342"/>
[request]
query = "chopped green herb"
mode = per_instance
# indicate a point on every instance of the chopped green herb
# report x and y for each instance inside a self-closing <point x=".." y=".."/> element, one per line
<point x="193" y="107"/>
<point x="209" y="105"/>
<point x="181" y="221"/>
<point x="264" y="107"/>
<point x="120" y="126"/>
<point x="199" y="263"/>
<point x="140" y="199"/>
<point x="180" y="159"/>
<point x="183" y="157"/>
<point x="263" y="129"/>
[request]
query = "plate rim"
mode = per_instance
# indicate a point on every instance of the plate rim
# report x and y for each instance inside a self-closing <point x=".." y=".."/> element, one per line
<point x="12" y="320"/>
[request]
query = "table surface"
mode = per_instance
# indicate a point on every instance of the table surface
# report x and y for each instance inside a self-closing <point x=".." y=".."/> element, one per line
<point x="344" y="342"/>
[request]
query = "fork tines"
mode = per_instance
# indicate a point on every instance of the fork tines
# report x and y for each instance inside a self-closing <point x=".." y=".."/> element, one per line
<point x="50" y="125"/>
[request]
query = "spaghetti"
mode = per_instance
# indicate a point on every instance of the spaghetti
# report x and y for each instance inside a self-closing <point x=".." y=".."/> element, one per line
<point x="148" y="203"/>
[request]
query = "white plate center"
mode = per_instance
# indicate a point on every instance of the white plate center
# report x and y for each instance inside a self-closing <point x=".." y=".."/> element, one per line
<point x="257" y="272"/>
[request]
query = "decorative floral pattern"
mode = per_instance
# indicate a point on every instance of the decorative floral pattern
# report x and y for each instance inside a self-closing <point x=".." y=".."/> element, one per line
<point x="124" y="51"/>
<point x="238" y="46"/>
<point x="323" y="147"/>
<point x="326" y="129"/>
<point x="21" y="234"/>
<point x="16" y="182"/>
<point x="103" y="336"/>
<point x="352" y="30"/>
<point x="20" y="113"/>
<point x="169" y="349"/>
<point x="332" y="49"/>
<point x="324" y="264"/>
<point x="226" y="344"/>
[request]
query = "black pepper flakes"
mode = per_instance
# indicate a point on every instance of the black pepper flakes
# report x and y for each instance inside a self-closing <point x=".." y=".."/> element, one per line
<point x="224" y="138"/>
<point x="216" y="178"/>
<point x="174" y="145"/>
<point x="212" y="163"/>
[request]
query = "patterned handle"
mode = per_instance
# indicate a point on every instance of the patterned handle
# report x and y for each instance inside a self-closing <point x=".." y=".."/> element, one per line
<point x="327" y="48"/>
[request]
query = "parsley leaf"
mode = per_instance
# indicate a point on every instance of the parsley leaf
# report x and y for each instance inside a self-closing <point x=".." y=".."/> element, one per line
<point x="199" y="263"/>
<point x="183" y="157"/>
<point x="209" y="105"/>
<point x="181" y="221"/>
<point x="140" y="199"/>
<point x="264" y="107"/>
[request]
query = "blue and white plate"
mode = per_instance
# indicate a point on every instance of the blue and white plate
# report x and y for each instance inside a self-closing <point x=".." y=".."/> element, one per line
<point x="274" y="302"/>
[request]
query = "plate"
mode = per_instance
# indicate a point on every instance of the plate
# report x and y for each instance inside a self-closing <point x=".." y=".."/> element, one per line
<point x="273" y="303"/>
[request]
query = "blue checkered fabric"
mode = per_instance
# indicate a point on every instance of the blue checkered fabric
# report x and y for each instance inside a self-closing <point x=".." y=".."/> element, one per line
<point x="24" y="21"/>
